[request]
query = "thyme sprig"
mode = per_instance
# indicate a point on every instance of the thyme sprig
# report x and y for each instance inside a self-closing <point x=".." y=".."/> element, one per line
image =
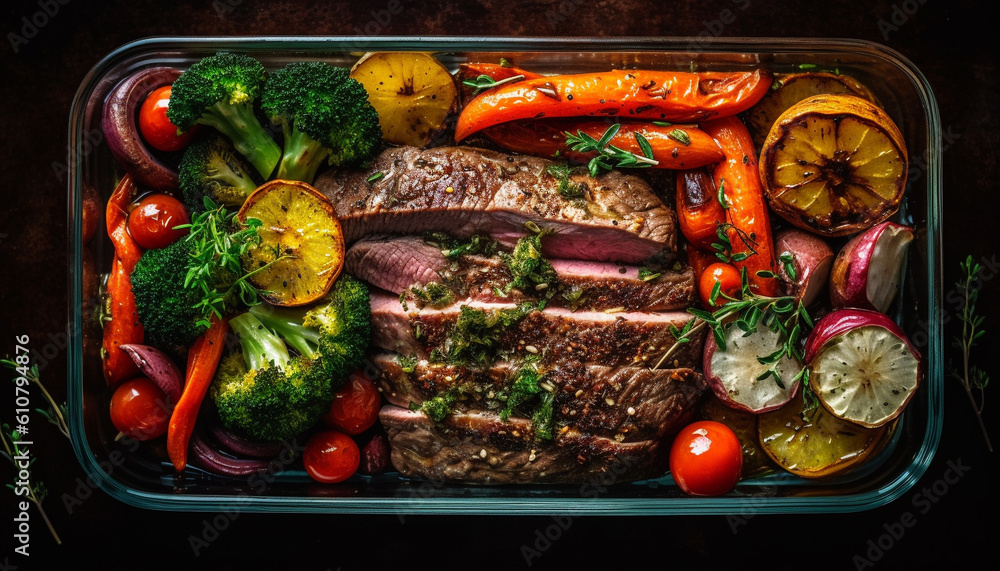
<point x="971" y="377"/>
<point x="724" y="246"/>
<point x="33" y="489"/>
<point x="484" y="82"/>
<point x="609" y="156"/>
<point x="783" y="315"/>
<point x="220" y="241"/>
<point x="56" y="413"/>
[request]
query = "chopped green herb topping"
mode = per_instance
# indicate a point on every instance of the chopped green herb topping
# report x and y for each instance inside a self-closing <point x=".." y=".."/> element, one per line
<point x="453" y="247"/>
<point x="567" y="188"/>
<point x="434" y="294"/>
<point x="527" y="389"/>
<point x="529" y="271"/>
<point x="438" y="407"/>
<point x="476" y="333"/>
<point x="407" y="364"/>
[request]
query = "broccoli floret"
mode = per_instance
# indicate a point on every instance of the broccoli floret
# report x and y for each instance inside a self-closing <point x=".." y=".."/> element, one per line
<point x="336" y="330"/>
<point x="210" y="167"/>
<point x="263" y="390"/>
<point x="165" y="307"/>
<point x="172" y="304"/>
<point x="325" y="116"/>
<point x="220" y="91"/>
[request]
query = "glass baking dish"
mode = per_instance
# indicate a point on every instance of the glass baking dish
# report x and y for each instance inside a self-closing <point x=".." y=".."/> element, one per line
<point x="140" y="475"/>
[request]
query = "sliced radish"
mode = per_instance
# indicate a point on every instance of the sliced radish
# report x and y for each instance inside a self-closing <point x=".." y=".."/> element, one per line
<point x="867" y="270"/>
<point x="733" y="373"/>
<point x="811" y="260"/>
<point x="863" y="369"/>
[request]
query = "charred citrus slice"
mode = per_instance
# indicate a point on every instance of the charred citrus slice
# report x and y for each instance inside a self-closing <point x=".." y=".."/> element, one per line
<point x="789" y="89"/>
<point x="817" y="445"/>
<point x="862" y="367"/>
<point x="301" y="249"/>
<point x="412" y="92"/>
<point x="834" y="165"/>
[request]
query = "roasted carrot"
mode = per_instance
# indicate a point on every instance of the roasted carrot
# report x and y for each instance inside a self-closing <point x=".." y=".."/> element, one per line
<point x="673" y="146"/>
<point x="121" y="327"/>
<point x="746" y="210"/>
<point x="634" y="94"/>
<point x="203" y="358"/>
<point x="699" y="212"/>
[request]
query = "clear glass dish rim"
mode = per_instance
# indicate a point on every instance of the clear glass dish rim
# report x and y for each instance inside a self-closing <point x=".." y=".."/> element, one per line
<point x="882" y="495"/>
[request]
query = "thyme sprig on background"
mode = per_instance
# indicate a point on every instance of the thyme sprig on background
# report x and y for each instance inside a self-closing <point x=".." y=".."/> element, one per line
<point x="970" y="376"/>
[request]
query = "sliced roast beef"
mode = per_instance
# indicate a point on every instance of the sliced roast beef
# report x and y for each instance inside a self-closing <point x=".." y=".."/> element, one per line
<point x="400" y="263"/>
<point x="480" y="448"/>
<point x="626" y="403"/>
<point x="483" y="331"/>
<point x="467" y="191"/>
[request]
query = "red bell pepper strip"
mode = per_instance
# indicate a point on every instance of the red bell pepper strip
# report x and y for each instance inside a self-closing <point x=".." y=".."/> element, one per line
<point x="203" y="359"/>
<point x="116" y="220"/>
<point x="746" y="209"/>
<point x="121" y="324"/>
<point x="121" y="327"/>
<point x="673" y="147"/>
<point x="634" y="94"/>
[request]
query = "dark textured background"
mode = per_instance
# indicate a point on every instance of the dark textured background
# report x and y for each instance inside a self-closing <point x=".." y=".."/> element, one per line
<point x="952" y="42"/>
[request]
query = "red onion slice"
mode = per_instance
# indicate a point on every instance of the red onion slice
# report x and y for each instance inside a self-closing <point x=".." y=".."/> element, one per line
<point x="121" y="130"/>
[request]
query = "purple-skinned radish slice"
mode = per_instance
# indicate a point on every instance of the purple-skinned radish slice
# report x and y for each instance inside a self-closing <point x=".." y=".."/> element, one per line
<point x="867" y="271"/>
<point x="734" y="373"/>
<point x="862" y="368"/>
<point x="810" y="259"/>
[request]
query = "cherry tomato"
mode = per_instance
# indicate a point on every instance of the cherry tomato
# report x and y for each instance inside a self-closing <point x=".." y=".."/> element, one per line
<point x="153" y="221"/>
<point x="723" y="273"/>
<point x="154" y="126"/>
<point x="355" y="406"/>
<point x="706" y="459"/>
<point x="139" y="409"/>
<point x="331" y="456"/>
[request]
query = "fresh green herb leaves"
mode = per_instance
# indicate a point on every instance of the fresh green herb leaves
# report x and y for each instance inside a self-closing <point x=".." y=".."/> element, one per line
<point x="484" y="82"/>
<point x="216" y="270"/>
<point x="25" y="487"/>
<point x="970" y="376"/>
<point x="452" y="247"/>
<point x="567" y="188"/>
<point x="406" y="364"/>
<point x="721" y="195"/>
<point x="783" y="315"/>
<point x="647" y="275"/>
<point x="607" y="155"/>
<point x="526" y="389"/>
<point x="55" y="413"/>
<point x="474" y="337"/>
<point x="433" y="294"/>
<point x="678" y="135"/>
<point x="439" y="407"/>
<point x="530" y="271"/>
<point x="788" y="262"/>
<point x="724" y="246"/>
